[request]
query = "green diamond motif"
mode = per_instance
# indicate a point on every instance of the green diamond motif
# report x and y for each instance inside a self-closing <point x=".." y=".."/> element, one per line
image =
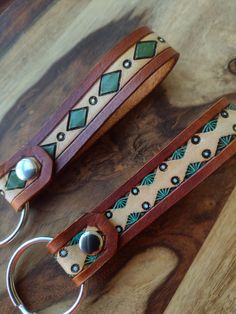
<point x="13" y="182"/>
<point x="110" y="83"/>
<point x="77" y="118"/>
<point x="145" y="49"/>
<point x="50" y="149"/>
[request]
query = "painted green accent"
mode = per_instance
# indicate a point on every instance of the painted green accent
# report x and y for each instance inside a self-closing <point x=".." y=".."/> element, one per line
<point x="162" y="193"/>
<point x="121" y="203"/>
<point x="145" y="49"/>
<point x="75" y="239"/>
<point x="149" y="179"/>
<point x="231" y="107"/>
<point x="13" y="182"/>
<point x="77" y="118"/>
<point x="110" y="83"/>
<point x="224" y="141"/>
<point x="179" y="153"/>
<point x="210" y="126"/>
<point x="193" y="168"/>
<point x="50" y="149"/>
<point x="132" y="218"/>
<point x="90" y="259"/>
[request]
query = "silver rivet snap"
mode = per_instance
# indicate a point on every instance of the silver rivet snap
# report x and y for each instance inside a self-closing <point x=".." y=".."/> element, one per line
<point x="26" y="169"/>
<point x="90" y="242"/>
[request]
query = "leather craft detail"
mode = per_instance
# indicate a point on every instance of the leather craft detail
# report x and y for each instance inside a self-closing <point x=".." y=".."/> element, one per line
<point x="123" y="77"/>
<point x="189" y="159"/>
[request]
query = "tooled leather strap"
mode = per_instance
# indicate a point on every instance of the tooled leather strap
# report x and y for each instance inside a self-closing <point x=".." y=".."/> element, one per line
<point x="191" y="157"/>
<point x="118" y="82"/>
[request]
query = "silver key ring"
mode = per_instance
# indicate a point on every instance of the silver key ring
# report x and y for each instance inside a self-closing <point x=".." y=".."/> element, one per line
<point x="20" y="225"/>
<point x="10" y="277"/>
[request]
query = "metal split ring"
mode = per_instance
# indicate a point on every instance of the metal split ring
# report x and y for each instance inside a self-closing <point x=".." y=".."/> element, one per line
<point x="20" y="225"/>
<point x="17" y="302"/>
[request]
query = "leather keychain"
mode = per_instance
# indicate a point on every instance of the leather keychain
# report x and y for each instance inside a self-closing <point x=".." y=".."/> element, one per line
<point x="84" y="247"/>
<point x="122" y="78"/>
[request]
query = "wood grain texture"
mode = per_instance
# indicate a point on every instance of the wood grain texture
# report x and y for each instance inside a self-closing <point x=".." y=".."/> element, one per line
<point x="195" y="294"/>
<point x="46" y="48"/>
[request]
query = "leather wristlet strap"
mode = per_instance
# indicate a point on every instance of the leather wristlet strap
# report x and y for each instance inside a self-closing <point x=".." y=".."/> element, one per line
<point x="190" y="158"/>
<point x="118" y="82"/>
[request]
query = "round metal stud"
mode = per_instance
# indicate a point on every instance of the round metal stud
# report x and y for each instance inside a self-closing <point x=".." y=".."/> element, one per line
<point x="175" y="180"/>
<point x="108" y="214"/>
<point x="206" y="153"/>
<point x="163" y="166"/>
<point x="127" y="64"/>
<point x="224" y="114"/>
<point x="135" y="191"/>
<point x="61" y="136"/>
<point x="195" y="139"/>
<point x="91" y="242"/>
<point x="26" y="169"/>
<point x="93" y="100"/>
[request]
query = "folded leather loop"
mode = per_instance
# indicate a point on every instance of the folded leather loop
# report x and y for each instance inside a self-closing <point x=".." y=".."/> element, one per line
<point x="176" y="170"/>
<point x="32" y="186"/>
<point x="123" y="77"/>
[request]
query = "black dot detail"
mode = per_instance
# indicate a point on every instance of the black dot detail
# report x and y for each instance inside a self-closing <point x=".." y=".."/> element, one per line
<point x="195" y="139"/>
<point x="175" y="180"/>
<point x="75" y="268"/>
<point x="119" y="229"/>
<point x="108" y="214"/>
<point x="127" y="64"/>
<point x="163" y="166"/>
<point x="61" y="136"/>
<point x="135" y="191"/>
<point x="63" y="253"/>
<point x="162" y="40"/>
<point x="206" y="153"/>
<point x="224" y="114"/>
<point x="93" y="100"/>
<point x="146" y="205"/>
<point x="234" y="127"/>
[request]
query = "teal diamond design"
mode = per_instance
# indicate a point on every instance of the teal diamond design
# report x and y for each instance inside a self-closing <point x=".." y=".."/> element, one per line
<point x="77" y="118"/>
<point x="224" y="141"/>
<point x="193" y="168"/>
<point x="231" y="107"/>
<point x="179" y="153"/>
<point x="163" y="193"/>
<point x="210" y="126"/>
<point x="50" y="149"/>
<point x="149" y="179"/>
<point x="121" y="203"/>
<point x="145" y="49"/>
<point x="110" y="83"/>
<point x="13" y="182"/>
<point x="132" y="218"/>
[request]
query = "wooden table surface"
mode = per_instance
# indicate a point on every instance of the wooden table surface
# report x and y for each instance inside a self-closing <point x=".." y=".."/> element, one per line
<point x="185" y="262"/>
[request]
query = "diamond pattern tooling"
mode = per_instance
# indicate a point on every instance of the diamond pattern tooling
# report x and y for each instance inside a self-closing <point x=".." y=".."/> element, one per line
<point x="110" y="83"/>
<point x="77" y="118"/>
<point x="13" y="182"/>
<point x="50" y="149"/>
<point x="145" y="49"/>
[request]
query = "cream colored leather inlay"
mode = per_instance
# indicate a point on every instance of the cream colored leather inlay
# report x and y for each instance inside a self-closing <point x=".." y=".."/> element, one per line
<point x="126" y="75"/>
<point x="162" y="180"/>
